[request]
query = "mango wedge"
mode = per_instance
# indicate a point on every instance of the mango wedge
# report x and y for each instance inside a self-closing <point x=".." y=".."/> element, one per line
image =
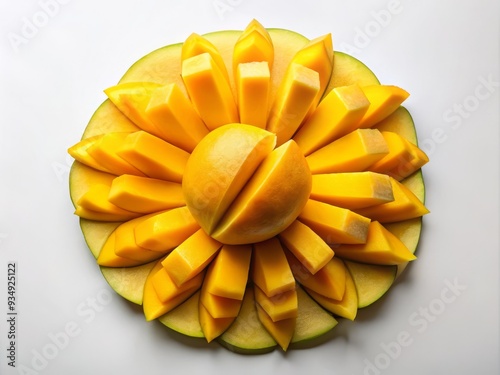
<point x="336" y="115"/>
<point x="192" y="256"/>
<point x="79" y="152"/>
<point x="405" y="206"/>
<point x="265" y="206"/>
<point x="278" y="307"/>
<point x="270" y="269"/>
<point x="335" y="224"/>
<point x="209" y="91"/>
<point x="229" y="273"/>
<point x="307" y="246"/>
<point x="185" y="318"/>
<point x="166" y="230"/>
<point x="145" y="195"/>
<point x="212" y="327"/>
<point x="352" y="190"/>
<point x="175" y="117"/>
<point x="108" y="258"/>
<point x="148" y="154"/>
<point x="381" y="247"/>
<point x="253" y="45"/>
<point x="253" y="84"/>
<point x="384" y="100"/>
<point x="219" y="307"/>
<point x="166" y="289"/>
<point x="295" y="96"/>
<point x="353" y="152"/>
<point x="281" y="330"/>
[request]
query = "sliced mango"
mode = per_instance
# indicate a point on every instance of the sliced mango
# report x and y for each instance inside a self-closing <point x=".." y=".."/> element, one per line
<point x="336" y="115"/>
<point x="353" y="152"/>
<point x="307" y="246"/>
<point x="229" y="275"/>
<point x="335" y="224"/>
<point x="79" y="152"/>
<point x="219" y="168"/>
<point x="352" y="190"/>
<point x="132" y="99"/>
<point x="100" y="216"/>
<point x="191" y="257"/>
<point x="295" y="96"/>
<point x="281" y="330"/>
<point x="270" y="269"/>
<point x="212" y="327"/>
<point x="175" y="117"/>
<point x="167" y="289"/>
<point x="185" y="318"/>
<point x="209" y="91"/>
<point x="253" y="83"/>
<point x="384" y="99"/>
<point x="347" y="307"/>
<point x="149" y="154"/>
<point x="328" y="281"/>
<point x="266" y="206"/>
<point x="405" y="206"/>
<point x="381" y="247"/>
<point x="108" y="258"/>
<point x="96" y="200"/>
<point x="166" y="230"/>
<point x="145" y="195"/>
<point x="219" y="307"/>
<point x="253" y="45"/>
<point x="105" y="151"/>
<point x="280" y="306"/>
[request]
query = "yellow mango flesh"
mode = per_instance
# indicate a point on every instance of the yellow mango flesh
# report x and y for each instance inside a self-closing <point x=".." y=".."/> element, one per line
<point x="384" y="100"/>
<point x="328" y="281"/>
<point x="175" y="117"/>
<point x="347" y="307"/>
<point x="405" y="205"/>
<point x="253" y="45"/>
<point x="108" y="258"/>
<point x="335" y="224"/>
<point x="295" y="96"/>
<point x="381" y="247"/>
<point x="280" y="306"/>
<point x="79" y="152"/>
<point x="145" y="195"/>
<point x="352" y="190"/>
<point x="337" y="114"/>
<point x="281" y="330"/>
<point x="165" y="230"/>
<point x="353" y="152"/>
<point x="192" y="256"/>
<point x="220" y="307"/>
<point x="209" y="91"/>
<point x="253" y="83"/>
<point x="185" y="318"/>
<point x="266" y="206"/>
<point x="219" y="168"/>
<point x="212" y="327"/>
<point x="148" y="153"/>
<point x="229" y="275"/>
<point x="307" y="246"/>
<point x="270" y="269"/>
<point x="166" y="289"/>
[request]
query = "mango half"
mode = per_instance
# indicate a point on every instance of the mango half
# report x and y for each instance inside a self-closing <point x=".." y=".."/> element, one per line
<point x="169" y="178"/>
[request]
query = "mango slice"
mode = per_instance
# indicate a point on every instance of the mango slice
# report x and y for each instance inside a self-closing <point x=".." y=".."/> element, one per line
<point x="328" y="281"/>
<point x="405" y="206"/>
<point x="209" y="91"/>
<point x="108" y="258"/>
<point x="166" y="230"/>
<point x="132" y="99"/>
<point x="381" y="247"/>
<point x="185" y="318"/>
<point x="384" y="99"/>
<point x="353" y="152"/>
<point x="253" y="83"/>
<point x="253" y="45"/>
<point x="229" y="274"/>
<point x="270" y="269"/>
<point x="352" y="190"/>
<point x="219" y="307"/>
<point x="175" y="118"/>
<point x="79" y="152"/>
<point x="295" y="96"/>
<point x="212" y="327"/>
<point x="307" y="246"/>
<point x="192" y="256"/>
<point x="280" y="306"/>
<point x="335" y="224"/>
<point x="145" y="195"/>
<point x="220" y="166"/>
<point x="281" y="330"/>
<point x="336" y="115"/>
<point x="266" y="206"/>
<point x="105" y="150"/>
<point x="347" y="307"/>
<point x="148" y="153"/>
<point x="166" y="289"/>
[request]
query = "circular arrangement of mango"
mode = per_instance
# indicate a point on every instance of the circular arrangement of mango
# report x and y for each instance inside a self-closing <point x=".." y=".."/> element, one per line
<point x="250" y="187"/>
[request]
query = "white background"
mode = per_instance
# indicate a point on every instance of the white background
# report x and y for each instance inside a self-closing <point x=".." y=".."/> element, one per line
<point x="443" y="52"/>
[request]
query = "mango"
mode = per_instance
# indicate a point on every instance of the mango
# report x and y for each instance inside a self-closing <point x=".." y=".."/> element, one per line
<point x="108" y="258"/>
<point x="212" y="327"/>
<point x="280" y="306"/>
<point x="79" y="152"/>
<point x="281" y="330"/>
<point x="166" y="289"/>
<point x="185" y="318"/>
<point x="384" y="100"/>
